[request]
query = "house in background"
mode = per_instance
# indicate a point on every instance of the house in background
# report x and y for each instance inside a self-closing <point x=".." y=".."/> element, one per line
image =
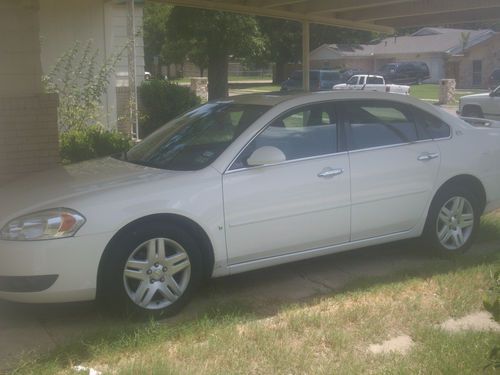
<point x="63" y="22"/>
<point x="469" y="56"/>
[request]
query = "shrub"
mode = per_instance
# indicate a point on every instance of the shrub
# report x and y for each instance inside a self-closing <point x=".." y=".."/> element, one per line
<point x="91" y="142"/>
<point x="162" y="101"/>
<point x="80" y="79"/>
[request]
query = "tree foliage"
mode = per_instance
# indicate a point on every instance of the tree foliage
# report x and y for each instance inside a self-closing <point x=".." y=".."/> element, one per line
<point x="216" y="35"/>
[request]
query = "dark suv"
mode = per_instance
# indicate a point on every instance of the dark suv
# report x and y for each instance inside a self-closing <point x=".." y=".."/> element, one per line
<point x="318" y="80"/>
<point x="494" y="80"/>
<point x="406" y="72"/>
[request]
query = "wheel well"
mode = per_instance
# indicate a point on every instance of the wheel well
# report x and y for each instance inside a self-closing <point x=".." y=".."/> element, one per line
<point x="187" y="224"/>
<point x="472" y="107"/>
<point x="470" y="182"/>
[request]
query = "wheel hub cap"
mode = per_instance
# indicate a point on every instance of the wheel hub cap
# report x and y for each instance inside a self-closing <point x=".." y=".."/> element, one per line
<point x="157" y="273"/>
<point x="455" y="223"/>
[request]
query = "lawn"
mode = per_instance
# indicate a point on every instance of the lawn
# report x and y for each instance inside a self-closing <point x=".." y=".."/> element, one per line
<point x="430" y="92"/>
<point x="329" y="334"/>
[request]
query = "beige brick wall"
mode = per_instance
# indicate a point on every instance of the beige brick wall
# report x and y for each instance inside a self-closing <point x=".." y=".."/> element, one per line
<point x="488" y="53"/>
<point x="28" y="135"/>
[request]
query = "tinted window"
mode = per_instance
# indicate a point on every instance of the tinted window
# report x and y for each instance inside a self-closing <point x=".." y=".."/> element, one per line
<point x="306" y="132"/>
<point x="330" y="76"/>
<point x="379" y="124"/>
<point x="361" y="80"/>
<point x="197" y="138"/>
<point x="433" y="127"/>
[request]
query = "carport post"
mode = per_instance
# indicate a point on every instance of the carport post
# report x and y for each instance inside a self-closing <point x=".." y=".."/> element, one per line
<point x="305" y="56"/>
<point x="132" y="86"/>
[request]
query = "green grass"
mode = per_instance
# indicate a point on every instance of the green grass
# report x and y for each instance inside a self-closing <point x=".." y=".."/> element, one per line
<point x="431" y="92"/>
<point x="324" y="335"/>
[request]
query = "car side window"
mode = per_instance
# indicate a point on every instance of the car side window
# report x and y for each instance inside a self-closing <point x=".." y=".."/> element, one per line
<point x="433" y="127"/>
<point x="379" y="124"/>
<point x="306" y="132"/>
<point x="375" y="81"/>
<point x="361" y="80"/>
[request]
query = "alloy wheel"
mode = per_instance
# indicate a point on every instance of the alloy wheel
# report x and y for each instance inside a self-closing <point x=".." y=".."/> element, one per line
<point x="157" y="273"/>
<point x="455" y="223"/>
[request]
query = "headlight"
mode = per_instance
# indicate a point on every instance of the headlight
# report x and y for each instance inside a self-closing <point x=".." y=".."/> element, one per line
<point x="43" y="225"/>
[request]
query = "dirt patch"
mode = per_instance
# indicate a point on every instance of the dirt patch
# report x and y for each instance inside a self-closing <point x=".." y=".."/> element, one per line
<point x="401" y="345"/>
<point x="480" y="321"/>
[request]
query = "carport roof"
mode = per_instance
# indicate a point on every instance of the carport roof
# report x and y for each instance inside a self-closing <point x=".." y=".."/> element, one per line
<point x="373" y="15"/>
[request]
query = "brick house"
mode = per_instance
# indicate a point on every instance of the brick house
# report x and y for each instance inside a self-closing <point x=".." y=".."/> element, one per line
<point x="449" y="53"/>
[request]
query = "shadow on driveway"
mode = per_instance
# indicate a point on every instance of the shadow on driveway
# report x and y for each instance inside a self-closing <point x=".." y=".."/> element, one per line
<point x="26" y="328"/>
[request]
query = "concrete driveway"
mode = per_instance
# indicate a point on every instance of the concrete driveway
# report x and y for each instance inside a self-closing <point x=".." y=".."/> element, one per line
<point x="28" y="329"/>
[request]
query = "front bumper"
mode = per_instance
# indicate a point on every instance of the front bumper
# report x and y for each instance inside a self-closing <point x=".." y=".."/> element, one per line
<point x="62" y="270"/>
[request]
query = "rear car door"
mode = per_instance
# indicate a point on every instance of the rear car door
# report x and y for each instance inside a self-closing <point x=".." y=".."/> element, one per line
<point x="393" y="171"/>
<point x="299" y="204"/>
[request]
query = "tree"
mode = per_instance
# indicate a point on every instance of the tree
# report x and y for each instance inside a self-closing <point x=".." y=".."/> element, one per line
<point x="155" y="34"/>
<point x="284" y="41"/>
<point x="216" y="35"/>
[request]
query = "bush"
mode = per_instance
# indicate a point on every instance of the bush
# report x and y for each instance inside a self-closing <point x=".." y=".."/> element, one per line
<point x="162" y="101"/>
<point x="91" y="142"/>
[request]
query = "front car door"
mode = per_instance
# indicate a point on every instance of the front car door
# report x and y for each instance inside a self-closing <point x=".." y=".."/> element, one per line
<point x="302" y="203"/>
<point x="393" y="168"/>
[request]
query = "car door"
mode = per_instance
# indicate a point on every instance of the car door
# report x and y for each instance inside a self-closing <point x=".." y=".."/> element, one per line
<point x="298" y="204"/>
<point x="392" y="172"/>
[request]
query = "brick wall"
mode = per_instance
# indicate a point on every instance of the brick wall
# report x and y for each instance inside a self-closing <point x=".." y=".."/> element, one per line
<point x="28" y="135"/>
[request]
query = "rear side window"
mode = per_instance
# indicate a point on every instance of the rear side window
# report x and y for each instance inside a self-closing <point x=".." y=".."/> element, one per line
<point x="433" y="127"/>
<point x="374" y="81"/>
<point x="379" y="124"/>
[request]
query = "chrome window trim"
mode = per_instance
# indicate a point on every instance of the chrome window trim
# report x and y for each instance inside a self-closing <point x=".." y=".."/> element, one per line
<point x="286" y="162"/>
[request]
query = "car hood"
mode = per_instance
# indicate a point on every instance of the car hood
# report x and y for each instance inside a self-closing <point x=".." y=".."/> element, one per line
<point x="475" y="96"/>
<point x="47" y="189"/>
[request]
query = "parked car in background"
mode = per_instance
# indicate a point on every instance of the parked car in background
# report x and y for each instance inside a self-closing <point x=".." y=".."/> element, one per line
<point x="494" y="79"/>
<point x="318" y="80"/>
<point x="407" y="72"/>
<point x="486" y="105"/>
<point x="241" y="184"/>
<point x="369" y="82"/>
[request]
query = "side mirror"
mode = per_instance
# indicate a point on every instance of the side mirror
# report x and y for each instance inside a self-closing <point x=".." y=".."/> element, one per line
<point x="266" y="155"/>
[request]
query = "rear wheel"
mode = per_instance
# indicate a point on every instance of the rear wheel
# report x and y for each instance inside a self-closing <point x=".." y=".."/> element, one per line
<point x="151" y="271"/>
<point x="453" y="222"/>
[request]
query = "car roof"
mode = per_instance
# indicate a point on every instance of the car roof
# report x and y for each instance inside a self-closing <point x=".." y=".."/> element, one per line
<point x="275" y="98"/>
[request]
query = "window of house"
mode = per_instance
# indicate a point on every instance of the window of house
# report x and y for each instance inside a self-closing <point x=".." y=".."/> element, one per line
<point x="477" y="72"/>
<point x="379" y="124"/>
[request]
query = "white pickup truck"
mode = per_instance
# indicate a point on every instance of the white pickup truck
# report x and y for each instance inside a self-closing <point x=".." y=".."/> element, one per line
<point x="481" y="105"/>
<point x="371" y="83"/>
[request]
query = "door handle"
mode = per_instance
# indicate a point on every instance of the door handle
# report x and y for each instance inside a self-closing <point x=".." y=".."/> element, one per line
<point x="330" y="172"/>
<point x="426" y="156"/>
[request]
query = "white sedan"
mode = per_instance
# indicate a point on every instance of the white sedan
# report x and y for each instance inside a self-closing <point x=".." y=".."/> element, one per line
<point x="245" y="183"/>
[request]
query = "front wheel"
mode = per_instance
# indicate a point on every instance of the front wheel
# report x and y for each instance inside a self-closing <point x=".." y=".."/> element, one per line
<point x="453" y="222"/>
<point x="151" y="271"/>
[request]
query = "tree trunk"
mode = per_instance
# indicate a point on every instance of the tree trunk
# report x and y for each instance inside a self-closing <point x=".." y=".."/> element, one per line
<point x="280" y="74"/>
<point x="218" y="66"/>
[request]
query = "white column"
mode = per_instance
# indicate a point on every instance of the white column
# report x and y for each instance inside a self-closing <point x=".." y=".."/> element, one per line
<point x="305" y="55"/>
<point x="132" y="69"/>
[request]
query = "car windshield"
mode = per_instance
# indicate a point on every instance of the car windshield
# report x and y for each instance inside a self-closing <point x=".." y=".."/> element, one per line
<point x="196" y="139"/>
<point x="388" y="67"/>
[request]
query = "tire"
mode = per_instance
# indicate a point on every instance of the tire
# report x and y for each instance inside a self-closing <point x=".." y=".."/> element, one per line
<point x="470" y="111"/>
<point x="137" y="280"/>
<point x="453" y="222"/>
